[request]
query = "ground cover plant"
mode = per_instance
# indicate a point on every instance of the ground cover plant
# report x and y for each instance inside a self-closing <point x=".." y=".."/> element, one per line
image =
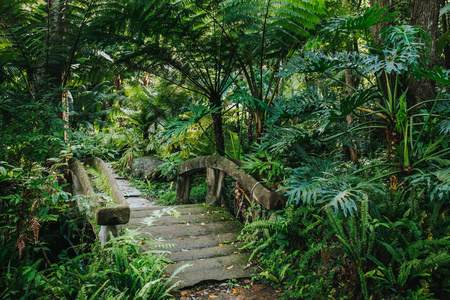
<point x="341" y="105"/>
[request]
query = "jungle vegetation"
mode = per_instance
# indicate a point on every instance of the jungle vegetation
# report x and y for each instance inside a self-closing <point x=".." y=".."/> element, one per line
<point x="341" y="104"/>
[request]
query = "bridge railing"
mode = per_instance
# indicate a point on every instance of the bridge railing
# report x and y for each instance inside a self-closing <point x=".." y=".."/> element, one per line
<point x="109" y="218"/>
<point x="214" y="181"/>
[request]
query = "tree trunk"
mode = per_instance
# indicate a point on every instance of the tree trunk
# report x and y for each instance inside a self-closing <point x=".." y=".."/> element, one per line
<point x="375" y="30"/>
<point x="250" y="129"/>
<point x="352" y="151"/>
<point x="55" y="74"/>
<point x="215" y="102"/>
<point x="444" y="31"/>
<point x="425" y="14"/>
<point x="377" y="27"/>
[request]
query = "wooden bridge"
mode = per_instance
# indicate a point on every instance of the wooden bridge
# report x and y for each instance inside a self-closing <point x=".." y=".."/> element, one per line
<point x="204" y="236"/>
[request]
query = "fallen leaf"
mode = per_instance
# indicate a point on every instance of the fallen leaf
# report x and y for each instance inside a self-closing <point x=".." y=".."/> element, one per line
<point x="220" y="244"/>
<point x="235" y="292"/>
<point x="230" y="267"/>
<point x="213" y="296"/>
<point x="184" y="293"/>
<point x="181" y="238"/>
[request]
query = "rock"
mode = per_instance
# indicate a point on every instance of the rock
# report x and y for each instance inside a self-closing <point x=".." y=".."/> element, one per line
<point x="146" y="168"/>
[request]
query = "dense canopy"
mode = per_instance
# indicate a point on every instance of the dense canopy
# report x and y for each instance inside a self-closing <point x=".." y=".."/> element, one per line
<point x="341" y="106"/>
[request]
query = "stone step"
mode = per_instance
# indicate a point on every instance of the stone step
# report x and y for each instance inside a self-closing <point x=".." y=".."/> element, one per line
<point x="199" y="242"/>
<point x="186" y="230"/>
<point x="196" y="234"/>
<point x="202" y="253"/>
<point x="218" y="268"/>
<point x="137" y="202"/>
<point x="165" y="220"/>
<point x="187" y="209"/>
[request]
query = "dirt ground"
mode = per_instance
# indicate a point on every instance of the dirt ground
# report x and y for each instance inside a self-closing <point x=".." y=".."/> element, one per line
<point x="236" y="290"/>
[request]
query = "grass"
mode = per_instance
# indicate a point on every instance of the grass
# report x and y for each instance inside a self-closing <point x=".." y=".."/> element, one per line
<point x="100" y="188"/>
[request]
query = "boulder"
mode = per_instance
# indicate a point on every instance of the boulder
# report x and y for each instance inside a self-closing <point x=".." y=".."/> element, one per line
<point x="146" y="168"/>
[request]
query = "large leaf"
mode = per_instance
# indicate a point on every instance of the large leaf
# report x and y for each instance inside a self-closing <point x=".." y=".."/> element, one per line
<point x="349" y="24"/>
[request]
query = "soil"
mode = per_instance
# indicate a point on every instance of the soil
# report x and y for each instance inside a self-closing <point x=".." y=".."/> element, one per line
<point x="236" y="290"/>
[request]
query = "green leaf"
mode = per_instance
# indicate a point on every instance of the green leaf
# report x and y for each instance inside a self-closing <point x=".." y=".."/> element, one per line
<point x="444" y="10"/>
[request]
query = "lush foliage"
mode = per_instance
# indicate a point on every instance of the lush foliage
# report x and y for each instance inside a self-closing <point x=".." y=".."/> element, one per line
<point x="121" y="270"/>
<point x="318" y="99"/>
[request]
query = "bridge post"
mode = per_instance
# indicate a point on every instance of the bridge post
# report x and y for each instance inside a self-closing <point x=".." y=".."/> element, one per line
<point x="215" y="186"/>
<point x="184" y="184"/>
<point x="105" y="232"/>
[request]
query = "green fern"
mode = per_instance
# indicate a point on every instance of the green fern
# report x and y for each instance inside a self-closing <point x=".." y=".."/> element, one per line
<point x="418" y="259"/>
<point x="356" y="234"/>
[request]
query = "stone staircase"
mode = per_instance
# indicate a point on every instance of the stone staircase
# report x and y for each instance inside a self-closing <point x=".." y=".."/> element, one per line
<point x="197" y="235"/>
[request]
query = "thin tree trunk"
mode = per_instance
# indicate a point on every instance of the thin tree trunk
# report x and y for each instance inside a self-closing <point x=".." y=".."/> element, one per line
<point x="215" y="102"/>
<point x="377" y="27"/>
<point x="250" y="136"/>
<point x="375" y="30"/>
<point x="352" y="151"/>
<point x="444" y="31"/>
<point x="55" y="73"/>
<point x="425" y="14"/>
